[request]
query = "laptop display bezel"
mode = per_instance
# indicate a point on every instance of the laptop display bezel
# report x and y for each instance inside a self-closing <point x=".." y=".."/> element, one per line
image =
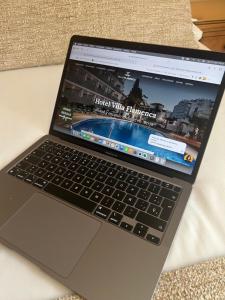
<point x="201" y="54"/>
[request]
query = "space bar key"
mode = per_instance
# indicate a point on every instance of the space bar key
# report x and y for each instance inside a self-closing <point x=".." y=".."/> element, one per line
<point x="77" y="200"/>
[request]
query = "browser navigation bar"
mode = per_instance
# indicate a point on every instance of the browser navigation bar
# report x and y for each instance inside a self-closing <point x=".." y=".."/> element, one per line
<point x="181" y="68"/>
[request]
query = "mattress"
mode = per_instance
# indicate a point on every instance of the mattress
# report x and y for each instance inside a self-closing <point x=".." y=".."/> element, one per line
<point x="27" y="102"/>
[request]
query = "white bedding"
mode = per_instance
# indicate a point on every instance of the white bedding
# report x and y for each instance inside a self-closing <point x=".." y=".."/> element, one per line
<point x="26" y="103"/>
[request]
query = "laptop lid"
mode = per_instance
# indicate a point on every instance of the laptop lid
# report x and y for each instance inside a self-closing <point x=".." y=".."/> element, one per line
<point x="153" y="106"/>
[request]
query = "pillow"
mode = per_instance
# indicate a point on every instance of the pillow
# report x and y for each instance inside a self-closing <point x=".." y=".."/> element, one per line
<point x="37" y="32"/>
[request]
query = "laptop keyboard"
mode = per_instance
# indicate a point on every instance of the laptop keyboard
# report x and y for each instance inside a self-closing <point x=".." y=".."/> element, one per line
<point x="135" y="202"/>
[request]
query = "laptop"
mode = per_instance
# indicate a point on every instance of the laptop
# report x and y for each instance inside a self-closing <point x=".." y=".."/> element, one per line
<point x="96" y="202"/>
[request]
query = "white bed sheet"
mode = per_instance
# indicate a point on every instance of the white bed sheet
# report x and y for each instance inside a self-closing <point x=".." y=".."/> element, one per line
<point x="27" y="99"/>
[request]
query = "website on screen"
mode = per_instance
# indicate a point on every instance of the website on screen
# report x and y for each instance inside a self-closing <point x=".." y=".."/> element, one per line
<point x="152" y="107"/>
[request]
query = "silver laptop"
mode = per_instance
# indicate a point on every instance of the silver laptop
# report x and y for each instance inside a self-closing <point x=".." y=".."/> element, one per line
<point x="96" y="202"/>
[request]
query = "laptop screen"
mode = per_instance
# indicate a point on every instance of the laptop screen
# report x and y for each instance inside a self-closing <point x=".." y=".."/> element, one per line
<point x="152" y="106"/>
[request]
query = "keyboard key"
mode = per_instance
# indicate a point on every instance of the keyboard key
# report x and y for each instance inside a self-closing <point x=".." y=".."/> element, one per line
<point x="153" y="239"/>
<point x="154" y="210"/>
<point x="121" y="185"/>
<point x="75" y="158"/>
<point x="67" y="155"/>
<point x="96" y="196"/>
<point x="130" y="199"/>
<point x="107" y="201"/>
<point x="121" y="176"/>
<point x="66" y="184"/>
<point x="156" y="199"/>
<point x="101" y="177"/>
<point x="74" y="152"/>
<point x="23" y="165"/>
<point x="56" y="160"/>
<point x="118" y="195"/>
<point x="126" y="226"/>
<point x="50" y="150"/>
<point x="101" y="168"/>
<point x="130" y="212"/>
<point x="114" y="166"/>
<point x="57" y="179"/>
<point x="40" y="183"/>
<point x="142" y="184"/>
<point x="13" y="171"/>
<point x="66" y="195"/>
<point x="65" y="164"/>
<point x="81" y="170"/>
<point x="90" y="157"/>
<point x="78" y="178"/>
<point x="111" y="181"/>
<point x="91" y="174"/>
<point x="151" y="221"/>
<point x="58" y="152"/>
<point x="111" y="172"/>
<point x="143" y="194"/>
<point x="132" y="172"/>
<point x="108" y="190"/>
<point x="32" y="159"/>
<point x="30" y="178"/>
<point x="84" y="155"/>
<point x="115" y="218"/>
<point x="87" y="181"/>
<point x="167" y="206"/>
<point x="140" y="230"/>
<point x="76" y="188"/>
<point x="40" y="172"/>
<point x="59" y="146"/>
<point x="84" y="161"/>
<point x="43" y="164"/>
<point x="51" y="167"/>
<point x="108" y="164"/>
<point x="167" y="185"/>
<point x="48" y="156"/>
<point x="48" y="176"/>
<point x="132" y="190"/>
<point x="60" y="171"/>
<point x="169" y="194"/>
<point x="103" y="162"/>
<point x="98" y="186"/>
<point x="86" y="192"/>
<point x="141" y="204"/>
<point x="177" y="189"/>
<point x="32" y="169"/>
<point x="155" y="180"/>
<point x="122" y="169"/>
<point x="69" y="174"/>
<point x="21" y="174"/>
<point x="102" y="212"/>
<point x="154" y="188"/>
<point x="132" y="179"/>
<point x="118" y="206"/>
<point x="43" y="147"/>
<point x="143" y="176"/>
<point x="38" y="153"/>
<point x="92" y="165"/>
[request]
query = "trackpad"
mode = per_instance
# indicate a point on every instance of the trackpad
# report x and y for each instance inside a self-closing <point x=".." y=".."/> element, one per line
<point x="51" y="233"/>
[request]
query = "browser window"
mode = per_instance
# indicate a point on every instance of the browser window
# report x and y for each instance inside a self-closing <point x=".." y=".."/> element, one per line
<point x="152" y="106"/>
